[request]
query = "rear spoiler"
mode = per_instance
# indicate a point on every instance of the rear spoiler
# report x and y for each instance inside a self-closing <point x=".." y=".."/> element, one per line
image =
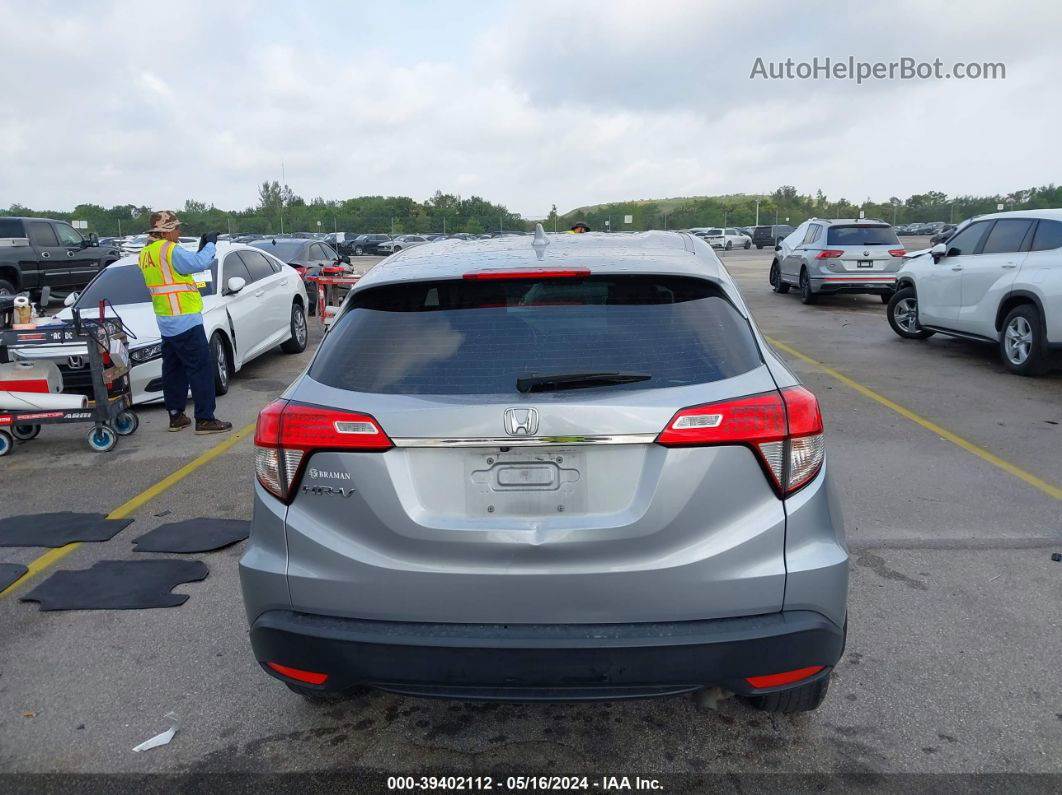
<point x="13" y="241"/>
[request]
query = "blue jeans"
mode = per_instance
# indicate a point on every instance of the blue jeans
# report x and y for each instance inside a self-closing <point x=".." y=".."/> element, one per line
<point x="186" y="363"/>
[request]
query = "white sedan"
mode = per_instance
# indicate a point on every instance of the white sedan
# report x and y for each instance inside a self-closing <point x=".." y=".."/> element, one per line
<point x="261" y="303"/>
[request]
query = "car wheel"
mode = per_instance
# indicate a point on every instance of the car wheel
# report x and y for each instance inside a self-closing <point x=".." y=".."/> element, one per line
<point x="807" y="296"/>
<point x="7" y="444"/>
<point x="775" y="278"/>
<point x="903" y="315"/>
<point x="728" y="246"/>
<point x="396" y="249"/>
<point x="219" y="358"/>
<point x="1022" y="342"/>
<point x="6" y="287"/>
<point x="358" y="251"/>
<point x="747" y="245"/>
<point x="802" y="698"/>
<point x="759" y="246"/>
<point x="299" y="334"/>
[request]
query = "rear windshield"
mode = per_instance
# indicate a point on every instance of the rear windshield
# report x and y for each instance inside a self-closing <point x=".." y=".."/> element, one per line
<point x="124" y="284"/>
<point x="281" y="249"/>
<point x="861" y="236"/>
<point x="479" y="337"/>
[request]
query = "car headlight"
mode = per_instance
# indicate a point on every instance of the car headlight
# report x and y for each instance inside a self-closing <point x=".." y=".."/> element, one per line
<point x="146" y="353"/>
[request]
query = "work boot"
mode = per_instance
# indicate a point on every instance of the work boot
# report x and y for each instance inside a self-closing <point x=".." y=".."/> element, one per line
<point x="203" y="427"/>
<point x="179" y="421"/>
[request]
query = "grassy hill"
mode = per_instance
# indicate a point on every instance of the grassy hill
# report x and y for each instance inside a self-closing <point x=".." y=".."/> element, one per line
<point x="668" y="205"/>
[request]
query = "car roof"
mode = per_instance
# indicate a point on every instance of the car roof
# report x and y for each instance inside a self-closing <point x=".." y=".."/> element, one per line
<point x="672" y="253"/>
<point x="1053" y="214"/>
<point x="850" y="221"/>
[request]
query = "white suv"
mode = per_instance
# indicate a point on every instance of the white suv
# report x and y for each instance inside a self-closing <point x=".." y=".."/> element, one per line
<point x="997" y="279"/>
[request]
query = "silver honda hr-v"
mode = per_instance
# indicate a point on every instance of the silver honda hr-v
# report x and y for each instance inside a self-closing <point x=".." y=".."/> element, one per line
<point x="559" y="468"/>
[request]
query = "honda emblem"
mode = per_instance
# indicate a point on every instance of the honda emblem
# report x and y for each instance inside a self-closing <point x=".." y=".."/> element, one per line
<point x="521" y="422"/>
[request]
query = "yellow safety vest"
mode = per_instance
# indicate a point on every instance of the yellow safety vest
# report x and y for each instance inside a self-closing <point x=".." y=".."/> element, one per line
<point x="172" y="293"/>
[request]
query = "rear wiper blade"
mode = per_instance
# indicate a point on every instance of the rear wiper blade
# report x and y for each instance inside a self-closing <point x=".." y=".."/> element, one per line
<point x="543" y="383"/>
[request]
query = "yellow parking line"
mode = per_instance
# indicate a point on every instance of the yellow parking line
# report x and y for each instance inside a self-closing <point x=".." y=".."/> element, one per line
<point x="993" y="459"/>
<point x="54" y="555"/>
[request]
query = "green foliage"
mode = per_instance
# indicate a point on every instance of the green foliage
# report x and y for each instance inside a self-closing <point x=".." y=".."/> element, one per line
<point x="279" y="209"/>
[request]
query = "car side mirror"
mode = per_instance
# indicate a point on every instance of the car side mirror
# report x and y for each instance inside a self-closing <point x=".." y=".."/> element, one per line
<point x="92" y="240"/>
<point x="939" y="251"/>
<point x="235" y="284"/>
<point x="777" y="248"/>
<point x="71" y="299"/>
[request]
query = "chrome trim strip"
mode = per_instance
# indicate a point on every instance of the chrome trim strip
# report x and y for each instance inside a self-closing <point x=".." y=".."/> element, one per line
<point x="525" y="441"/>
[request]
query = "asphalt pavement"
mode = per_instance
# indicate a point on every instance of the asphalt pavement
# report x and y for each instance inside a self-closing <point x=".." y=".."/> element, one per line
<point x="955" y="637"/>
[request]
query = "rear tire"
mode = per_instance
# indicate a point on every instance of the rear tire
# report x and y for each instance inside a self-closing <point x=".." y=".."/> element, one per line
<point x="807" y="295"/>
<point x="759" y="246"/>
<point x="219" y="359"/>
<point x="728" y="246"/>
<point x="775" y="278"/>
<point x="903" y="315"/>
<point x="6" y="287"/>
<point x="299" y="333"/>
<point x="7" y="444"/>
<point x="747" y="245"/>
<point x="802" y="698"/>
<point x="1022" y="342"/>
<point x="25" y="432"/>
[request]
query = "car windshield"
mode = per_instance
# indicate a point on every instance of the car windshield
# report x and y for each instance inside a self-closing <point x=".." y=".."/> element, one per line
<point x="286" y="250"/>
<point x="861" y="236"/>
<point x="474" y="337"/>
<point x="714" y="232"/>
<point x="123" y="284"/>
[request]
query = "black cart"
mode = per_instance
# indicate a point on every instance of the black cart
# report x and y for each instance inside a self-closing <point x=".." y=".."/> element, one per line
<point x="109" y="409"/>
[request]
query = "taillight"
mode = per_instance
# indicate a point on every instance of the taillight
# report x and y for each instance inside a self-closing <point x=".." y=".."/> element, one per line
<point x="534" y="273"/>
<point x="897" y="252"/>
<point x="783" y="429"/>
<point x="829" y="253"/>
<point x="786" y="678"/>
<point x="287" y="434"/>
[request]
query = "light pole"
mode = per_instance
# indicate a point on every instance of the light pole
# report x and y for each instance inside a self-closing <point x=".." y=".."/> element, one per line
<point x="757" y="212"/>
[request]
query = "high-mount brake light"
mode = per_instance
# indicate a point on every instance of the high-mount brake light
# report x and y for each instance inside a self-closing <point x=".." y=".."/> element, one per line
<point x="531" y="273"/>
<point x="287" y="434"/>
<point x="829" y="253"/>
<point x="784" y="429"/>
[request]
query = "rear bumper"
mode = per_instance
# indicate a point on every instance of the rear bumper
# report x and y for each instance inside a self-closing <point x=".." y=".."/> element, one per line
<point x="537" y="662"/>
<point x="873" y="284"/>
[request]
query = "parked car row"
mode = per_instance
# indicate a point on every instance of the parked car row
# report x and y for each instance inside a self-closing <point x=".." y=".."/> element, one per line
<point x="252" y="302"/>
<point x="995" y="278"/>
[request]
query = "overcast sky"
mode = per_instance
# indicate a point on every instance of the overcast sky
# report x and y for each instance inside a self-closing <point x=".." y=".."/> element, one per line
<point x="526" y="104"/>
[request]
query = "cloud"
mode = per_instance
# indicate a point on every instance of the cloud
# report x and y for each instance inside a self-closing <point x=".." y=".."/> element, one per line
<point x="526" y="104"/>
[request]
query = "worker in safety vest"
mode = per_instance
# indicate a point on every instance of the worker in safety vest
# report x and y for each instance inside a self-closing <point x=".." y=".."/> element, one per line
<point x="186" y="362"/>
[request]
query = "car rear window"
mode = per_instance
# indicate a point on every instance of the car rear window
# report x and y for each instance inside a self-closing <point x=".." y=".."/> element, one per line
<point x="11" y="229"/>
<point x="478" y="337"/>
<point x="862" y="236"/>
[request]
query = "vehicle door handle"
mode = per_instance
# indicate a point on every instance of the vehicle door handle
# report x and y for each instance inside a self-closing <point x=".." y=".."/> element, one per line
<point x="956" y="267"/>
<point x="259" y="294"/>
<point x="1010" y="265"/>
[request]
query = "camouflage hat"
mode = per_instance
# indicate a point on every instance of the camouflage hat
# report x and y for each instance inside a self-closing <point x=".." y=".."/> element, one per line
<point x="164" y="221"/>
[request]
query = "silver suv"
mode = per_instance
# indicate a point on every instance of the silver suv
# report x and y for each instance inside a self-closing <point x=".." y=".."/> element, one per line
<point x="838" y="256"/>
<point x="560" y="469"/>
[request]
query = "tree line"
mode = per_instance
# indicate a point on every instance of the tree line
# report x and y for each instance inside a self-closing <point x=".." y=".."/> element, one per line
<point x="279" y="210"/>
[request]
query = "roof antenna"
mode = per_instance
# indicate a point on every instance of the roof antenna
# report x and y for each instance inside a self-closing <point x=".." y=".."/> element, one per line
<point x="540" y="242"/>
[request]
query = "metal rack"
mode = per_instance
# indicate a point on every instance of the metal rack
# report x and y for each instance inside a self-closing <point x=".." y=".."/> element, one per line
<point x="109" y="409"/>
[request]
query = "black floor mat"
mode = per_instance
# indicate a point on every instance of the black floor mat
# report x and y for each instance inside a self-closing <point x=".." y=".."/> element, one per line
<point x="58" y="529"/>
<point x="118" y="585"/>
<point x="9" y="573"/>
<point x="193" y="535"/>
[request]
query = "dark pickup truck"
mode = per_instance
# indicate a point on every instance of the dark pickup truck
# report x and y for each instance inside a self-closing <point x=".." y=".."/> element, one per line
<point x="39" y="252"/>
